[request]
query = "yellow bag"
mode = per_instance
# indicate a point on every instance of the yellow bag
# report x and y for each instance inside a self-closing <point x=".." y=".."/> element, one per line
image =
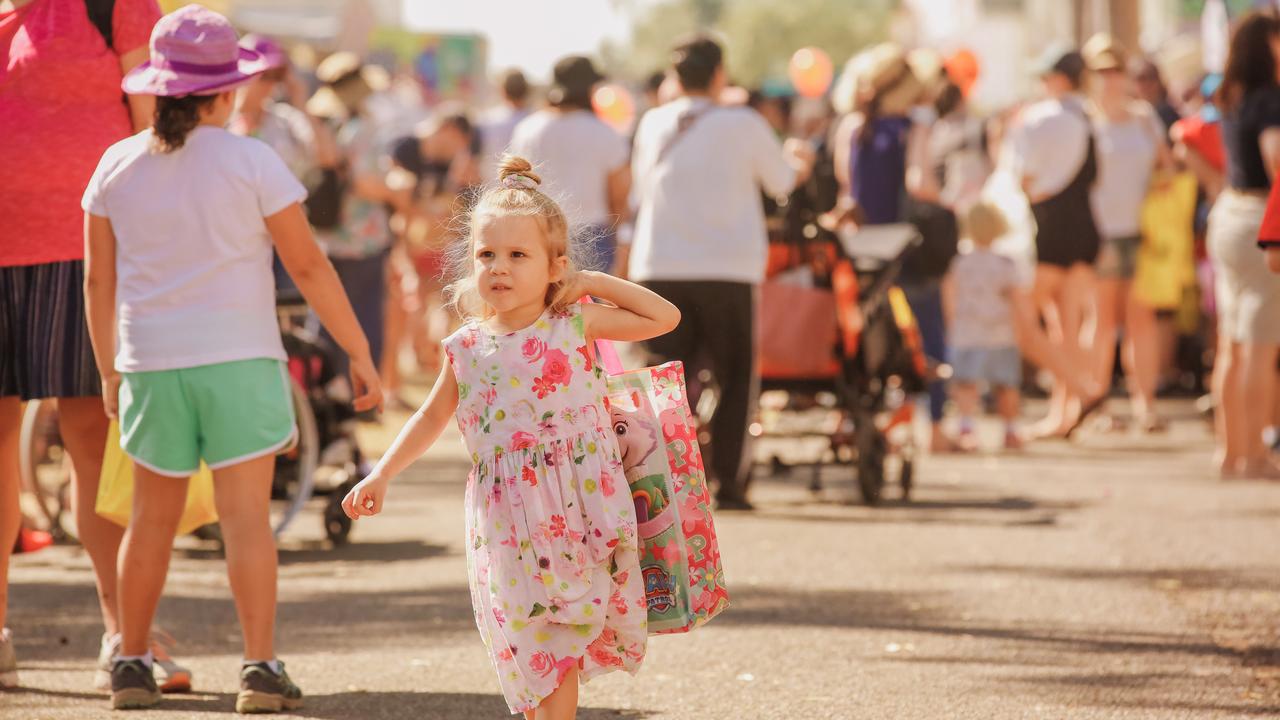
<point x="115" y="490"/>
<point x="1166" y="266"/>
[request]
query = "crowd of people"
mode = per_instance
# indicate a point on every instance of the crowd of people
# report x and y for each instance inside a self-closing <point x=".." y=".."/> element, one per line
<point x="1066" y="233"/>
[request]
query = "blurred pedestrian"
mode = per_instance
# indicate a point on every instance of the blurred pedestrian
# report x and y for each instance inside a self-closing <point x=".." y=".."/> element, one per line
<point x="1055" y="157"/>
<point x="979" y="293"/>
<point x="60" y="107"/>
<point x="583" y="159"/>
<point x="358" y="240"/>
<point x="700" y="242"/>
<point x="875" y="145"/>
<point x="497" y="126"/>
<point x="537" y="423"/>
<point x="179" y="226"/>
<point x="1130" y="143"/>
<point x="1244" y="376"/>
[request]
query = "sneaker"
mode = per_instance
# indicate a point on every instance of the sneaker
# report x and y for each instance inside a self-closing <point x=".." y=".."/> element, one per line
<point x="133" y="686"/>
<point x="8" y="661"/>
<point x="262" y="690"/>
<point x="106" y="661"/>
<point x="177" y="678"/>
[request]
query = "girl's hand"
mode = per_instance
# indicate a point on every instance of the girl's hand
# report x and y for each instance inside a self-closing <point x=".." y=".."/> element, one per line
<point x="583" y="283"/>
<point x="111" y="395"/>
<point x="365" y="499"/>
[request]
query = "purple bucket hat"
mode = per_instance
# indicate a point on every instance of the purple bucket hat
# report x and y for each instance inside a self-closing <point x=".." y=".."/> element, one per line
<point x="194" y="51"/>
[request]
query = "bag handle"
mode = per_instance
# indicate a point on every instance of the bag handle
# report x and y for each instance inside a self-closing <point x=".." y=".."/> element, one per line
<point x="606" y="353"/>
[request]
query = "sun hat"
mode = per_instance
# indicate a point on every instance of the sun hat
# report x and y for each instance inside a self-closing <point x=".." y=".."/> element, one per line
<point x="194" y="51"/>
<point x="347" y="81"/>
<point x="1103" y="54"/>
<point x="884" y="73"/>
<point x="268" y="48"/>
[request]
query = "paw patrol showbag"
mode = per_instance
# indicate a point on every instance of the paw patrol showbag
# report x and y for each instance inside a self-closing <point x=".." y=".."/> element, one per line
<point x="679" y="557"/>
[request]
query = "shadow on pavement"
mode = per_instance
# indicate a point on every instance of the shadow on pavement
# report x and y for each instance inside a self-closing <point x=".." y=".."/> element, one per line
<point x="319" y="551"/>
<point x="431" y="706"/>
<point x="1163" y="578"/>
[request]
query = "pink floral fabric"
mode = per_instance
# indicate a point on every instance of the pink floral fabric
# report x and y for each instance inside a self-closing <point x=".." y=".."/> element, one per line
<point x="551" y="528"/>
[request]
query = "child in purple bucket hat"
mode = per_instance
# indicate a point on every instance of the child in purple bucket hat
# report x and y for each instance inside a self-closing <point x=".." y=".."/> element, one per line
<point x="181" y="221"/>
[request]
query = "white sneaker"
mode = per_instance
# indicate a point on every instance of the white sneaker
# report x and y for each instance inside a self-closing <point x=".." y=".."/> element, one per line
<point x="175" y="678"/>
<point x="106" y="658"/>
<point x="8" y="661"/>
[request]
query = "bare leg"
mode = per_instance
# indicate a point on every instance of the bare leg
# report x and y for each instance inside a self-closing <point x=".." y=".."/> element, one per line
<point x="1142" y="339"/>
<point x="10" y="517"/>
<point x="1255" y="388"/>
<point x="966" y="396"/>
<point x="158" y="501"/>
<point x="1075" y="300"/>
<point x="242" y="493"/>
<point x="1110" y="304"/>
<point x="396" y="327"/>
<point x="1009" y="402"/>
<point x="1226" y="416"/>
<point x="563" y="703"/>
<point x="84" y="425"/>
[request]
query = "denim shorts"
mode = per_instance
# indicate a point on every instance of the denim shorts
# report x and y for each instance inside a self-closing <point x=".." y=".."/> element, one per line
<point x="995" y="365"/>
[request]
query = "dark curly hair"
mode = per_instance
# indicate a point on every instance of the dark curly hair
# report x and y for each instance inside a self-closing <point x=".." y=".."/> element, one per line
<point x="176" y="117"/>
<point x="1250" y="63"/>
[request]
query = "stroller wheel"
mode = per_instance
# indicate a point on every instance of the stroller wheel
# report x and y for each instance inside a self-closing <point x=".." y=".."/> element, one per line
<point x="906" y="478"/>
<point x="337" y="526"/>
<point x="871" y="455"/>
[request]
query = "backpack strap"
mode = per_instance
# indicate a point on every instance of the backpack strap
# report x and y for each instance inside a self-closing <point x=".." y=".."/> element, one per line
<point x="100" y="12"/>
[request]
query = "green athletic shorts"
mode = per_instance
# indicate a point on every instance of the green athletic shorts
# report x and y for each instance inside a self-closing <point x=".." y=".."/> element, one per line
<point x="224" y="413"/>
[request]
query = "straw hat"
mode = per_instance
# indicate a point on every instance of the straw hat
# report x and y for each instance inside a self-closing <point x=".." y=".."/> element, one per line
<point x="347" y="82"/>
<point x="1103" y="53"/>
<point x="883" y="72"/>
<point x="194" y="51"/>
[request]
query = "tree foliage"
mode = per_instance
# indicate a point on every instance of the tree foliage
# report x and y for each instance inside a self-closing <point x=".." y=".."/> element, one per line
<point x="759" y="35"/>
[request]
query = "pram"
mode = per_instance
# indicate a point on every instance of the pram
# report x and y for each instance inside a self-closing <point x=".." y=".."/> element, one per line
<point x="836" y="334"/>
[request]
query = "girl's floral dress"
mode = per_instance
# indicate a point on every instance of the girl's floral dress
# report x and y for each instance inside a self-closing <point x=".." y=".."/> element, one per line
<point x="551" y="527"/>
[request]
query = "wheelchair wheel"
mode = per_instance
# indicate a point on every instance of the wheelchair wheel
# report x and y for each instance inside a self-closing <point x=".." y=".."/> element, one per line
<point x="44" y="470"/>
<point x="295" y="469"/>
<point x="872" y="449"/>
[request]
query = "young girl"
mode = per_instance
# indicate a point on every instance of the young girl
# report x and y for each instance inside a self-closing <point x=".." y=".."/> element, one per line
<point x="180" y="221"/>
<point x="551" y="528"/>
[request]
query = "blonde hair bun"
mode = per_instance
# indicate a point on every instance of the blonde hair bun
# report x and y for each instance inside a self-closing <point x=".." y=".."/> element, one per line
<point x="516" y="166"/>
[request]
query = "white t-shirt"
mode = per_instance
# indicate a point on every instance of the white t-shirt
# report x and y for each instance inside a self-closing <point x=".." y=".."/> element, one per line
<point x="574" y="152"/>
<point x="193" y="256"/>
<point x="496" y="131"/>
<point x="1126" y="156"/>
<point x="1050" y="144"/>
<point x="700" y="214"/>
<point x="983" y="318"/>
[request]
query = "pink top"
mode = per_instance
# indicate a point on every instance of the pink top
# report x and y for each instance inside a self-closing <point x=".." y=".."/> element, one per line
<point x="60" y="108"/>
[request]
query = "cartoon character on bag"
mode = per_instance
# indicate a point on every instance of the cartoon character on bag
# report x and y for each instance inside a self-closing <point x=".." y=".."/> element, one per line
<point x="644" y="462"/>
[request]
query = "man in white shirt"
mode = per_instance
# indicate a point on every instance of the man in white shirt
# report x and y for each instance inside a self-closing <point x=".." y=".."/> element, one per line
<point x="1054" y="156"/>
<point x="497" y="127"/>
<point x="583" y="160"/>
<point x="700" y="241"/>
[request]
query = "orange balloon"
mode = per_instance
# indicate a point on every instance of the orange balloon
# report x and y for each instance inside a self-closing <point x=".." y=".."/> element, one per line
<point x="810" y="71"/>
<point x="962" y="67"/>
<point x="613" y="105"/>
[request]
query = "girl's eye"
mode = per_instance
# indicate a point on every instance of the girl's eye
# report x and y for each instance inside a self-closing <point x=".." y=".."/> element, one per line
<point x="517" y="253"/>
<point x="485" y="254"/>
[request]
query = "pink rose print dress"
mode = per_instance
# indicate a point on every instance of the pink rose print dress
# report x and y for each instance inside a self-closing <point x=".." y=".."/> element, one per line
<point x="551" y="528"/>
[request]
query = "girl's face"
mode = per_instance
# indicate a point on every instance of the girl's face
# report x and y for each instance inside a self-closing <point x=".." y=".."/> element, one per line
<point x="1114" y="83"/>
<point x="511" y="265"/>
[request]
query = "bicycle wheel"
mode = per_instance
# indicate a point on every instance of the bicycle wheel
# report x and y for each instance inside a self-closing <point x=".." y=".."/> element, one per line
<point x="295" y="470"/>
<point x="44" y="470"/>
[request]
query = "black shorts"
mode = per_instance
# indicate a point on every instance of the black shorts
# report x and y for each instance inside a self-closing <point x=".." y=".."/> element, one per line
<point x="44" y="341"/>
